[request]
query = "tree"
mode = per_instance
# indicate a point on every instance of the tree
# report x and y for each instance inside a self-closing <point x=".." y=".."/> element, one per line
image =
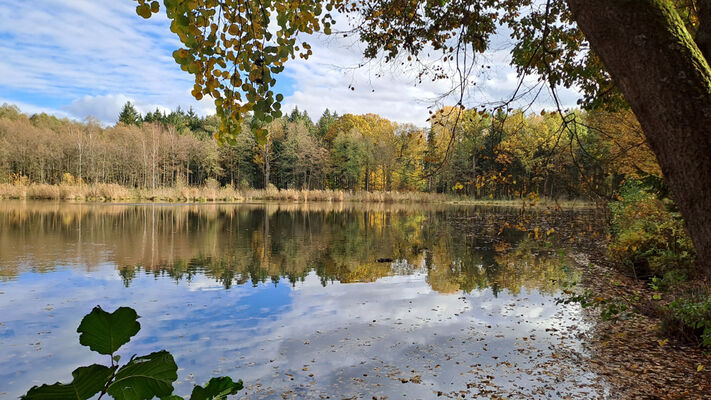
<point x="324" y="123"/>
<point x="665" y="76"/>
<point x="348" y="155"/>
<point x="640" y="52"/>
<point x="129" y="115"/>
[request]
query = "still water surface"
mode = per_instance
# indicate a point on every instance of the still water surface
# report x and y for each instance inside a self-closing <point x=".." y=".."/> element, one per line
<point x="299" y="301"/>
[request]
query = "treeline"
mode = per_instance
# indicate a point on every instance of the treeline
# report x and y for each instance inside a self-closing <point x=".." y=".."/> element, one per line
<point x="463" y="152"/>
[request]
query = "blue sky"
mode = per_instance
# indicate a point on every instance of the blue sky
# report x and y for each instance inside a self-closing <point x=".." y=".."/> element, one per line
<point x="80" y="58"/>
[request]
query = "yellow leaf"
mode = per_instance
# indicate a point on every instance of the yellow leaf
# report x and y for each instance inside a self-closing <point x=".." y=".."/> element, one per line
<point x="700" y="368"/>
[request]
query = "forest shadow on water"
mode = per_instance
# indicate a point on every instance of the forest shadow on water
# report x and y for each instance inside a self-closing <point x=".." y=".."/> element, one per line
<point x="303" y="300"/>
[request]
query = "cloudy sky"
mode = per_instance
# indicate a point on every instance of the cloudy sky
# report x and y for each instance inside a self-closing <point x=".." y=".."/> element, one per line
<point x="80" y="58"/>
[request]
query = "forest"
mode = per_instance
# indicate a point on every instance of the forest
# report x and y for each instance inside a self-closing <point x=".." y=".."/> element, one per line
<point x="467" y="153"/>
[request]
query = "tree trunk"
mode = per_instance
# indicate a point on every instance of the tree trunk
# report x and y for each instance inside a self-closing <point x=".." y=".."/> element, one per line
<point x="474" y="172"/>
<point x="667" y="81"/>
<point x="266" y="165"/>
<point x="367" y="177"/>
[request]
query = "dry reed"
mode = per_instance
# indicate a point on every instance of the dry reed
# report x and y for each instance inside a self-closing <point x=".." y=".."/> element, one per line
<point x="208" y="193"/>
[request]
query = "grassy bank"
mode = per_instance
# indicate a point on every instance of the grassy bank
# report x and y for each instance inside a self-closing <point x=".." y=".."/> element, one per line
<point x="114" y="192"/>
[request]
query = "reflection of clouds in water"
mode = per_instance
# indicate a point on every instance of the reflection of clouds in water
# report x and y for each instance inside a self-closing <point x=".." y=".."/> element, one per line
<point x="359" y="338"/>
<point x="397" y="326"/>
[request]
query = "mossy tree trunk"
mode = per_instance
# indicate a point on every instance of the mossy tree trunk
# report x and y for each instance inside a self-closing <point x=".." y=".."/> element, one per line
<point x="666" y="79"/>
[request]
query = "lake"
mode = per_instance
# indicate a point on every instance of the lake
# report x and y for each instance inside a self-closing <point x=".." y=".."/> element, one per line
<point x="300" y="300"/>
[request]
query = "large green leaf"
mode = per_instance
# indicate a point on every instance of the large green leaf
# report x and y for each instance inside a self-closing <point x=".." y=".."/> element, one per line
<point x="105" y="332"/>
<point x="216" y="389"/>
<point x="87" y="382"/>
<point x="145" y="377"/>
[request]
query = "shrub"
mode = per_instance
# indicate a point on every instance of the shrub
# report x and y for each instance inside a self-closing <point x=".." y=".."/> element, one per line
<point x="690" y="318"/>
<point x="648" y="239"/>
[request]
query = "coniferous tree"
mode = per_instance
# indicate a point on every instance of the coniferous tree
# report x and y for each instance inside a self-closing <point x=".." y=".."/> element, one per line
<point x="129" y="115"/>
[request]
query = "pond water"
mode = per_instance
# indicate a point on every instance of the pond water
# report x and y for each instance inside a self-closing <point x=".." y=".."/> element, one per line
<point x="298" y="301"/>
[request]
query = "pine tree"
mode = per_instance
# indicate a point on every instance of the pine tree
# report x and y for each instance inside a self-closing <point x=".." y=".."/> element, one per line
<point x="129" y="115"/>
<point x="325" y="122"/>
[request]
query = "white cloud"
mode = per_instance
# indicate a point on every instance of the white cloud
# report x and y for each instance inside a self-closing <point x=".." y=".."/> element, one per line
<point x="107" y="108"/>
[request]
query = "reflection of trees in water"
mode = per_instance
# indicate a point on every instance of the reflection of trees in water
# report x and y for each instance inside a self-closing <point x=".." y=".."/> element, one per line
<point x="256" y="243"/>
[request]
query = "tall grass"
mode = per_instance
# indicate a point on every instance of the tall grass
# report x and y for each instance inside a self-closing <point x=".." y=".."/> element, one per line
<point x="212" y="192"/>
<point x="208" y="193"/>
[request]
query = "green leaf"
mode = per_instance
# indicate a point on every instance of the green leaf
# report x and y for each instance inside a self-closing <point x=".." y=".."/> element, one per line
<point x="145" y="377"/>
<point x="87" y="382"/>
<point x="216" y="389"/>
<point x="105" y="332"/>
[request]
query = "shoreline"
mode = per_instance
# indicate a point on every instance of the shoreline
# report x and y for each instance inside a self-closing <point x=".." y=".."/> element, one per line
<point x="632" y="355"/>
<point x="117" y="194"/>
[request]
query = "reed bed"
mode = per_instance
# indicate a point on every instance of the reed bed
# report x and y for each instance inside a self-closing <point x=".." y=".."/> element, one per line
<point x="208" y="193"/>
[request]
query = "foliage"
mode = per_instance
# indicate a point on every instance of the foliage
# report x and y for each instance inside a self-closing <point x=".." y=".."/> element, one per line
<point x="234" y="55"/>
<point x="649" y="240"/>
<point x="143" y="377"/>
<point x="691" y="316"/>
<point x="611" y="309"/>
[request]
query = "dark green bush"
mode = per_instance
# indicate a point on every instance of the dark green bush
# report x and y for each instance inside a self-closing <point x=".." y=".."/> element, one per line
<point x="690" y="318"/>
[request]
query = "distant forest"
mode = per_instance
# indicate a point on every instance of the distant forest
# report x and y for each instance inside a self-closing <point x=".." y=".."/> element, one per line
<point x="470" y="153"/>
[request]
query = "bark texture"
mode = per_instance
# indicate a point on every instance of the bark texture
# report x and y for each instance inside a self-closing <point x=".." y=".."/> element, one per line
<point x="667" y="81"/>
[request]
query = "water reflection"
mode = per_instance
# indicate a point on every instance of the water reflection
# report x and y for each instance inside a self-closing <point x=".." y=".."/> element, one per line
<point x="259" y="243"/>
<point x="324" y="299"/>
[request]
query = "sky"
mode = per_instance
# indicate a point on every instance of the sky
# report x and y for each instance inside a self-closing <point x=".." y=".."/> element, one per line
<point x="81" y="58"/>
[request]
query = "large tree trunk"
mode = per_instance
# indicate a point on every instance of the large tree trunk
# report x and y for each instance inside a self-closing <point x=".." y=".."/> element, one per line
<point x="667" y="81"/>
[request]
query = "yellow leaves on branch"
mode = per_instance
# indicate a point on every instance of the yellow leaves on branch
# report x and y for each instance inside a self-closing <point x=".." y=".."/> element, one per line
<point x="235" y="48"/>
